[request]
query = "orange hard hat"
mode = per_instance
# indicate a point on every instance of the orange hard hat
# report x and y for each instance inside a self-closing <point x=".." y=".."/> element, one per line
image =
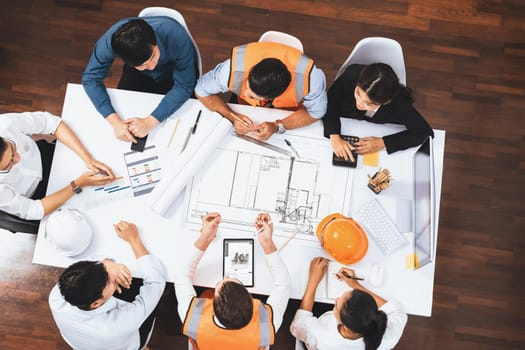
<point x="342" y="238"/>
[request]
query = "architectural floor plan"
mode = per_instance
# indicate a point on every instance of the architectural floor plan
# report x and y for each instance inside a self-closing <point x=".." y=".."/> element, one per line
<point x="242" y="179"/>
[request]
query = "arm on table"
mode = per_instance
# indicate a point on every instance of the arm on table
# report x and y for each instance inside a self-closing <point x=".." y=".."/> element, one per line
<point x="183" y="282"/>
<point x="281" y="288"/>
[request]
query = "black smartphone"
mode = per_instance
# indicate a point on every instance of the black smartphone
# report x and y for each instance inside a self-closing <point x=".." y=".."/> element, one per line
<point x="343" y="162"/>
<point x="141" y="143"/>
<point x="237" y="260"/>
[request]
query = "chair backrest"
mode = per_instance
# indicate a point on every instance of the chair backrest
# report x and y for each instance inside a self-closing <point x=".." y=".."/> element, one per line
<point x="283" y="38"/>
<point x="377" y="50"/>
<point x="176" y="15"/>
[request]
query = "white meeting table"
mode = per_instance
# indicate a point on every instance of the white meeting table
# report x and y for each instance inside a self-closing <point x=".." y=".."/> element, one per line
<point x="169" y="238"/>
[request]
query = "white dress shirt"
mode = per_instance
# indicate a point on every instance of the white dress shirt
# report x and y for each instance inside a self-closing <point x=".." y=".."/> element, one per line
<point x="278" y="299"/>
<point x="115" y="324"/>
<point x="216" y="81"/>
<point x="322" y="334"/>
<point x="18" y="185"/>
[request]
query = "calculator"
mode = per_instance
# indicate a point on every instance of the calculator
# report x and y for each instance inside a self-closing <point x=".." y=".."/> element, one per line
<point x="343" y="162"/>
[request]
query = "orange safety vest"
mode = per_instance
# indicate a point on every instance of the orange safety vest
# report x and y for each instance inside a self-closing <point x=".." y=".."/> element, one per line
<point x="244" y="57"/>
<point x="205" y="334"/>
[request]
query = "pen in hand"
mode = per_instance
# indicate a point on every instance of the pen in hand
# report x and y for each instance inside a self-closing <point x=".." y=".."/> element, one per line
<point x="351" y="277"/>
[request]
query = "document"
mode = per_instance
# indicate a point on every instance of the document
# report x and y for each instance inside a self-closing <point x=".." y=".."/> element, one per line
<point x="330" y="286"/>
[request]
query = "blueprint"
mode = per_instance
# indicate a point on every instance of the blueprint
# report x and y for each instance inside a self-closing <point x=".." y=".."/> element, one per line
<point x="242" y="179"/>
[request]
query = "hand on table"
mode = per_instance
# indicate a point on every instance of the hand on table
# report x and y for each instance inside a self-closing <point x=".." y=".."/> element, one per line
<point x="342" y="275"/>
<point x="120" y="129"/>
<point x="318" y="268"/>
<point x="99" y="167"/>
<point x="119" y="272"/>
<point x="341" y="147"/>
<point x="127" y="231"/>
<point x="369" y="145"/>
<point x="140" y="127"/>
<point x="242" y="124"/>
<point x="94" y="178"/>
<point x="264" y="130"/>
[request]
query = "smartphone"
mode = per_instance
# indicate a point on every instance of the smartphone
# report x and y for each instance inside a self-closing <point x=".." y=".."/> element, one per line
<point x="237" y="260"/>
<point x="141" y="143"/>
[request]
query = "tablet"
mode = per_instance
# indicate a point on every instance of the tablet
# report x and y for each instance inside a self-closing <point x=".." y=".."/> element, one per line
<point x="237" y="260"/>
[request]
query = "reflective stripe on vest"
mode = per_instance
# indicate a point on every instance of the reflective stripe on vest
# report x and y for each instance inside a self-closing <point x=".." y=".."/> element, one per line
<point x="244" y="57"/>
<point x="200" y="327"/>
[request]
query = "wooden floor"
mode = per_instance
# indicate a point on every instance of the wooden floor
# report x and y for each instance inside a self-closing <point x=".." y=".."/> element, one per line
<point x="466" y="61"/>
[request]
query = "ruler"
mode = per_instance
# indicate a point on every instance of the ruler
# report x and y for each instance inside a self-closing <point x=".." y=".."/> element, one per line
<point x="265" y="145"/>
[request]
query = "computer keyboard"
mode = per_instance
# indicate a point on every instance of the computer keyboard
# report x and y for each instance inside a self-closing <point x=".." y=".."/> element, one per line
<point x="379" y="226"/>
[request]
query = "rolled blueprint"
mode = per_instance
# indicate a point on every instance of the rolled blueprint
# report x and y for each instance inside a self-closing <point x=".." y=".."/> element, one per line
<point x="180" y="172"/>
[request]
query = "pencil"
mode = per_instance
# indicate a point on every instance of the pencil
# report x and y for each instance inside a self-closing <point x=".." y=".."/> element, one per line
<point x="241" y="120"/>
<point x="173" y="132"/>
<point x="288" y="240"/>
<point x="262" y="228"/>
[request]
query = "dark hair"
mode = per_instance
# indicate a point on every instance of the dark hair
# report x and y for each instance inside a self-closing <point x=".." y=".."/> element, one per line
<point x="233" y="305"/>
<point x="82" y="283"/>
<point x="133" y="42"/>
<point x="269" y="78"/>
<point x="360" y="314"/>
<point x="381" y="83"/>
<point x="3" y="146"/>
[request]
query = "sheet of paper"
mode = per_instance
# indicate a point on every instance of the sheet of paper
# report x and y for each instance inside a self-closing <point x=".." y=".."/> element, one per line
<point x="371" y="159"/>
<point x="143" y="170"/>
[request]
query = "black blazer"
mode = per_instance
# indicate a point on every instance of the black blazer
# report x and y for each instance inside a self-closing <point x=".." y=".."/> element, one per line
<point x="341" y="103"/>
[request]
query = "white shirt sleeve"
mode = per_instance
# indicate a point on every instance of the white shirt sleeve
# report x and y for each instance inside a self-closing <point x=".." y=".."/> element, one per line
<point x="33" y="122"/>
<point x="17" y="204"/>
<point x="396" y="321"/>
<point x="316" y="101"/>
<point x="281" y="288"/>
<point x="183" y="282"/>
<point x="301" y="326"/>
<point x="215" y="81"/>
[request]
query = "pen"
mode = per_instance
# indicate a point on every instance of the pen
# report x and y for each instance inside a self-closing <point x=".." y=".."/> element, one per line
<point x="196" y="122"/>
<point x="292" y="148"/>
<point x="173" y="132"/>
<point x="351" y="277"/>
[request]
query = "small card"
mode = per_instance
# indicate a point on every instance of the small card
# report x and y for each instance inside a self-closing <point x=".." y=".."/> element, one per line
<point x="371" y="159"/>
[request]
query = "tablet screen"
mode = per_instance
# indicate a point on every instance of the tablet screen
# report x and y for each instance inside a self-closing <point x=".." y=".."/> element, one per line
<point x="238" y="260"/>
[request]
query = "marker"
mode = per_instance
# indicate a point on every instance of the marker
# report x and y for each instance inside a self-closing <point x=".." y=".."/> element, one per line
<point x="196" y="122"/>
<point x="292" y="148"/>
<point x="354" y="278"/>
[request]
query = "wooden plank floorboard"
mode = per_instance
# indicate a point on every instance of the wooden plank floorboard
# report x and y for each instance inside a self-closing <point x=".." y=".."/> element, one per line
<point x="465" y="60"/>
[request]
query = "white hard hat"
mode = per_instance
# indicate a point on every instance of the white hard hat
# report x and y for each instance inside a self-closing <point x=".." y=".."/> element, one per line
<point x="68" y="231"/>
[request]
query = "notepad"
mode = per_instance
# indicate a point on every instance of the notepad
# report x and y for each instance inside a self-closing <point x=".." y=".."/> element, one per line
<point x="330" y="286"/>
<point x="371" y="159"/>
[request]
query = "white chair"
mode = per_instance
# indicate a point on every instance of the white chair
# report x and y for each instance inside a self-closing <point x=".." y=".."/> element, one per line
<point x="377" y="50"/>
<point x="176" y="15"/>
<point x="282" y="38"/>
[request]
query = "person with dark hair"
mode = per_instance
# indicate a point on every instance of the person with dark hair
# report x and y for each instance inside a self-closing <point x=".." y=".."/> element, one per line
<point x="266" y="74"/>
<point x="360" y="320"/>
<point x="25" y="164"/>
<point x="159" y="57"/>
<point x="373" y="93"/>
<point x="98" y="306"/>
<point x="229" y="317"/>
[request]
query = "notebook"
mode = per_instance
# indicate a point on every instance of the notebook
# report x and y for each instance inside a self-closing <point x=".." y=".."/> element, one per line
<point x="330" y="286"/>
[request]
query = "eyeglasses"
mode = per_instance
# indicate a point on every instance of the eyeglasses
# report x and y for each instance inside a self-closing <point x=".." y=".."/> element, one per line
<point x="9" y="165"/>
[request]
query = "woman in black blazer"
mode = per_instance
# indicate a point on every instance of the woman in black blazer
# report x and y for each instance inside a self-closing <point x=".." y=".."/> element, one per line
<point x="373" y="93"/>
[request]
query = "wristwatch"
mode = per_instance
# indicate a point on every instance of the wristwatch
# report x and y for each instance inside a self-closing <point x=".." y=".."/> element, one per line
<point x="280" y="126"/>
<point x="76" y="188"/>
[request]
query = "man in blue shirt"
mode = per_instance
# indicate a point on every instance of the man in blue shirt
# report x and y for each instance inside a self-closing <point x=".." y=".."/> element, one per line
<point x="159" y="57"/>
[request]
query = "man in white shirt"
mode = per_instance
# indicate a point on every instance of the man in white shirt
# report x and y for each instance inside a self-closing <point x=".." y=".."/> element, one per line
<point x="231" y="318"/>
<point x="21" y="166"/>
<point x="360" y="319"/>
<point x="89" y="316"/>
